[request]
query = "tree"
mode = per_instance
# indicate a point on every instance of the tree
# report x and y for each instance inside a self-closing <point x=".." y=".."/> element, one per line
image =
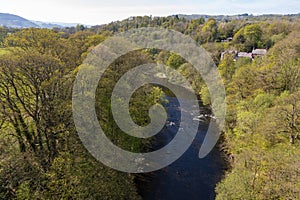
<point x="33" y="102"/>
<point x="263" y="174"/>
<point x="288" y="118"/>
<point x="210" y="30"/>
<point x="33" y="91"/>
<point x="253" y="34"/>
<point x="226" y="29"/>
<point x="79" y="27"/>
<point x="227" y="67"/>
<point x="239" y="36"/>
<point x="175" y="61"/>
<point x="205" y="95"/>
<point x="3" y="33"/>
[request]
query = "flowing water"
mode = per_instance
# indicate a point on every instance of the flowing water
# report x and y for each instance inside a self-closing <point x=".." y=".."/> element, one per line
<point x="189" y="177"/>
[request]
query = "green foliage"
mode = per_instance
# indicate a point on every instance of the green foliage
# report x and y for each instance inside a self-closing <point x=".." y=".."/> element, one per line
<point x="253" y="34"/>
<point x="263" y="122"/>
<point x="227" y="67"/>
<point x="239" y="36"/>
<point x="3" y="33"/>
<point x="250" y="36"/>
<point x="194" y="25"/>
<point x="24" y="192"/>
<point x="210" y="30"/>
<point x="226" y="29"/>
<point x="261" y="174"/>
<point x="205" y="95"/>
<point x="175" y="61"/>
<point x="4" y="51"/>
<point x="41" y="157"/>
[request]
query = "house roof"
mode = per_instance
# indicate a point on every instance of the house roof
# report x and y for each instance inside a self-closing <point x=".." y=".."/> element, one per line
<point x="259" y="51"/>
<point x="245" y="54"/>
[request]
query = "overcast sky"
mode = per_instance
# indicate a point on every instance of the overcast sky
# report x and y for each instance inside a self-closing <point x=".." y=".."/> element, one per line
<point x="92" y="12"/>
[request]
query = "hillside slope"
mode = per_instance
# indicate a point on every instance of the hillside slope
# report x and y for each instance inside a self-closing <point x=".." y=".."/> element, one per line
<point x="14" y="21"/>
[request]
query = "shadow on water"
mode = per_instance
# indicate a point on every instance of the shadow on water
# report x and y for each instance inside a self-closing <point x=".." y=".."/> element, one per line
<point x="189" y="177"/>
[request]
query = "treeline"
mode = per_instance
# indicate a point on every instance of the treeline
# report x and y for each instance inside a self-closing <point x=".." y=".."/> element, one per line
<point x="43" y="158"/>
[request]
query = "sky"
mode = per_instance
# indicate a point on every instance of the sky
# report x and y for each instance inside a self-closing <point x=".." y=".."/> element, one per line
<point x="93" y="12"/>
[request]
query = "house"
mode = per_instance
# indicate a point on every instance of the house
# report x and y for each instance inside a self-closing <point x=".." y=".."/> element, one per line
<point x="244" y="55"/>
<point x="255" y="53"/>
<point x="232" y="52"/>
<point x="259" y="52"/>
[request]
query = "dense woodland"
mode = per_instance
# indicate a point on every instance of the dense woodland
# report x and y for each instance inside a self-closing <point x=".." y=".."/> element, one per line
<point x="41" y="156"/>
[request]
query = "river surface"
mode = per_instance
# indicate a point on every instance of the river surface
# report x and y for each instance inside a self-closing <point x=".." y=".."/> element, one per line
<point x="189" y="177"/>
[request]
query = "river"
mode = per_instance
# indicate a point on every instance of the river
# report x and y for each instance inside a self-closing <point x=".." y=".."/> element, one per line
<point x="189" y="177"/>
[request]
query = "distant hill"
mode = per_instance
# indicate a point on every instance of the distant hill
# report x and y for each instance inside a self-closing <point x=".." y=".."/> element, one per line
<point x="15" y="21"/>
<point x="55" y="24"/>
<point x="63" y="24"/>
<point x="46" y="24"/>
